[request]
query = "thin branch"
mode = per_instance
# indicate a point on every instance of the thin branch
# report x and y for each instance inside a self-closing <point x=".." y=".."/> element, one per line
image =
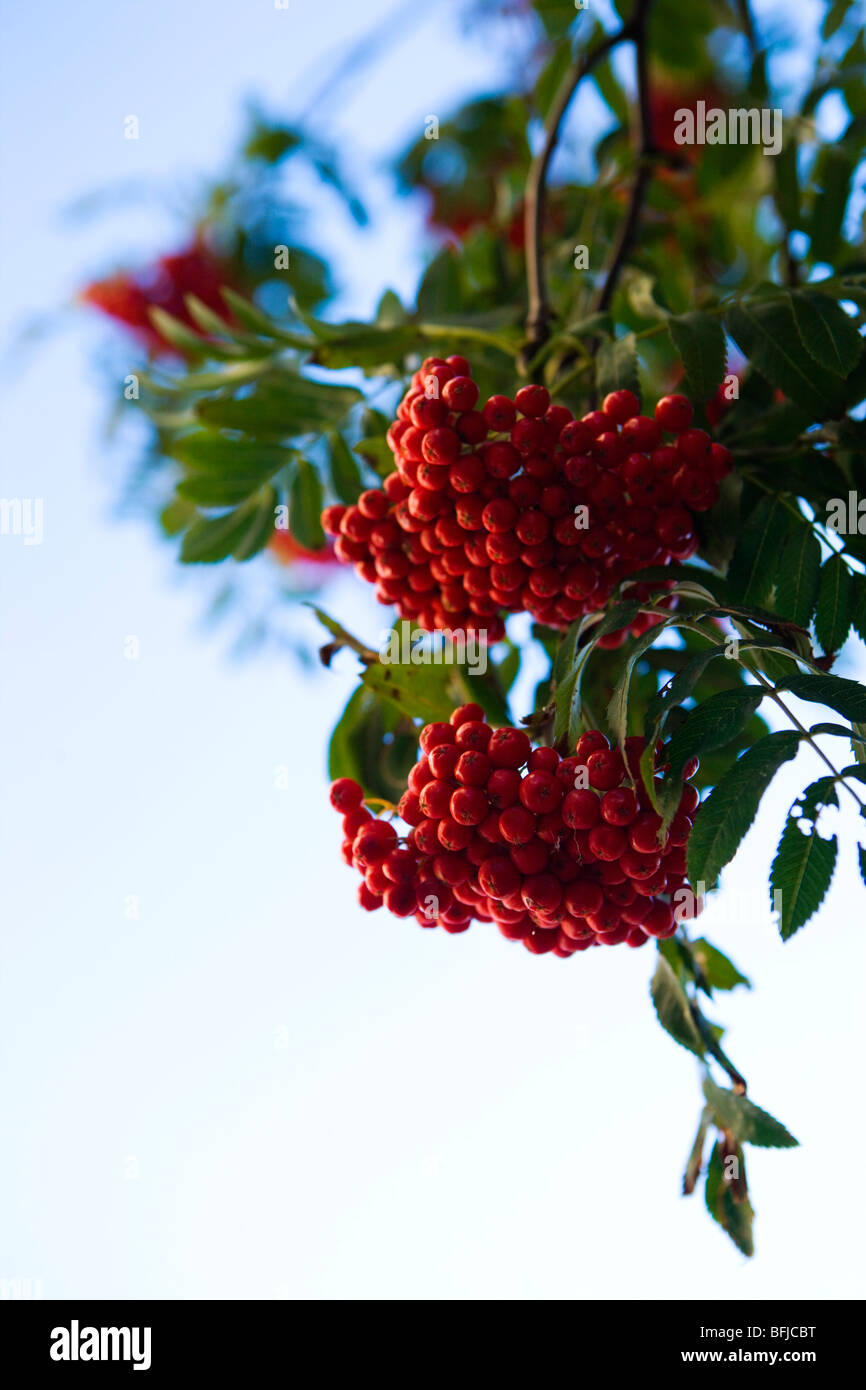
<point x="539" y="315"/>
<point x="645" y="156"/>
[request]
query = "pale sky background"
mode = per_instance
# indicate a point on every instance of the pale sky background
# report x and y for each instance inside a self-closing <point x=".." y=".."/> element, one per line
<point x="257" y="1090"/>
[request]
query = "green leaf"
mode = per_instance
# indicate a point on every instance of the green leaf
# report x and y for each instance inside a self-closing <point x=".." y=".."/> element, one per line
<point x="748" y="1123"/>
<point x="728" y="812"/>
<point x="281" y="405"/>
<point x="797" y="587"/>
<point x="767" y="333"/>
<point x="616" y="365"/>
<point x="260" y="528"/>
<point x="344" y="472"/>
<point x="801" y="873"/>
<point x="441" y="288"/>
<point x="712" y="724"/>
<point x="570" y="665"/>
<point x="672" y="1008"/>
<point x="834" y="18"/>
<point x="305" y="506"/>
<point x="216" y="455"/>
<point x="700" y="341"/>
<point x="185" y="339"/>
<point x="833" y="613"/>
<point x="238" y="532"/>
<point x="833" y="171"/>
<point x="718" y="971"/>
<point x="829" y="335"/>
<point x="617" y="710"/>
<point x="258" y="322"/>
<point x="755" y="562"/>
<point x="374" y="745"/>
<point x="847" y="698"/>
<point x="728" y="1202"/>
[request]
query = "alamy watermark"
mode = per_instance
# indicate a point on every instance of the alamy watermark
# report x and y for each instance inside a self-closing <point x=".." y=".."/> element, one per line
<point x="403" y="645"/>
<point x="738" y="126"/>
<point x="22" y="516"/>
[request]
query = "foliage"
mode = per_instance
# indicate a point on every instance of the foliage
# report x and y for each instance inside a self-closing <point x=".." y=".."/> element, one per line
<point x="738" y="263"/>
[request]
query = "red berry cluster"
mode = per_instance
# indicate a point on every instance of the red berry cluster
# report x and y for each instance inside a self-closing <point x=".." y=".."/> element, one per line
<point x="518" y="506"/>
<point x="499" y="831"/>
<point x="165" y="285"/>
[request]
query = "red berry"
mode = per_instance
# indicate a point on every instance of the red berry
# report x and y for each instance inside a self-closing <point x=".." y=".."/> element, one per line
<point x="583" y="898"/>
<point x="460" y="393"/>
<point x="508" y="748"/>
<point x="581" y="809"/>
<point x="499" y="413"/>
<point x="473" y="767"/>
<point x="605" y="768"/>
<point x="541" y="792"/>
<point x="435" y="799"/>
<point x="474" y="733"/>
<point x="346" y="795"/>
<point x="469" y="805"/>
<point x="532" y="401"/>
<point x="607" y="842"/>
<point x="503" y="784"/>
<point x="619" y="806"/>
<point x="621" y="405"/>
<point x="434" y="734"/>
<point x="517" y="825"/>
<point x="674" y="413"/>
<point x="498" y="877"/>
<point x="541" y="893"/>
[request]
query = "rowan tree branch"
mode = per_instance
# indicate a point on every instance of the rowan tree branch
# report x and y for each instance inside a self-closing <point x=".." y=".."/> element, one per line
<point x="539" y="310"/>
<point x="645" y="156"/>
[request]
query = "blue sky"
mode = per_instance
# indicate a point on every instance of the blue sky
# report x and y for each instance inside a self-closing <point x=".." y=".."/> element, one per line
<point x="252" y="1089"/>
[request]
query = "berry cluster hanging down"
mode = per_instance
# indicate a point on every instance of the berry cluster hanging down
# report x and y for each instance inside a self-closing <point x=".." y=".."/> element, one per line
<point x="561" y="853"/>
<point x="519" y="506"/>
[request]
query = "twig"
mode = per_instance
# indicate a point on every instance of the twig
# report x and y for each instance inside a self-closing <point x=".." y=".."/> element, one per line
<point x="539" y="314"/>
<point x="645" y="156"/>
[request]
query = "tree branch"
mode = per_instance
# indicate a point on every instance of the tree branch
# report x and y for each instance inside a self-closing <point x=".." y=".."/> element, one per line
<point x="539" y="313"/>
<point x="645" y="155"/>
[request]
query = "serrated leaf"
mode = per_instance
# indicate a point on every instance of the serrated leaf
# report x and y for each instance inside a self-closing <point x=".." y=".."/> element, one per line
<point x="343" y="470"/>
<point x="829" y="335"/>
<point x="755" y="563"/>
<point x="718" y="970"/>
<point x="211" y="539"/>
<point x="847" y="697"/>
<point x="281" y="405"/>
<point x="748" y="1123"/>
<point x="258" y="322"/>
<point x="797" y="587"/>
<point x="726" y="1204"/>
<point x="616" y="365"/>
<point x="728" y="812"/>
<point x="766" y="332"/>
<point x="833" y="171"/>
<point x="305" y="506"/>
<point x="712" y="724"/>
<point x="801" y="873"/>
<point x="672" y="1008"/>
<point x="700" y="341"/>
<point x="833" y="611"/>
<point x="259" y="529"/>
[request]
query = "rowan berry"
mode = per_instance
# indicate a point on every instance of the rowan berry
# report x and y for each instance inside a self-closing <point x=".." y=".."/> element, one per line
<point x="532" y="401"/>
<point x="674" y="414"/>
